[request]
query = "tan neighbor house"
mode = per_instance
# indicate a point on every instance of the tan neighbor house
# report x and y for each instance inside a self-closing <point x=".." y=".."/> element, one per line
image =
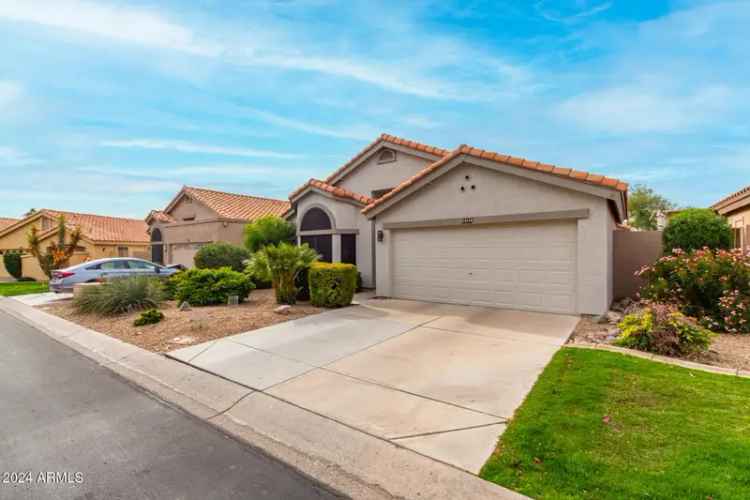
<point x="736" y="208"/>
<point x="197" y="216"/>
<point x="102" y="236"/>
<point x="467" y="226"/>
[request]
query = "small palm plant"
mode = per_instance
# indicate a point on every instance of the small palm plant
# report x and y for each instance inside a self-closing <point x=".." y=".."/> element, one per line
<point x="283" y="263"/>
<point x="58" y="254"/>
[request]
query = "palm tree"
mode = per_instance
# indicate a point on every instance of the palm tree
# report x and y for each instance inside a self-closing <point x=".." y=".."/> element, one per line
<point x="58" y="254"/>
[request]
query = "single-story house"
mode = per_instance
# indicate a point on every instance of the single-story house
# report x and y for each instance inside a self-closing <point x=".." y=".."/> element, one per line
<point x="197" y="216"/>
<point x="102" y="236"/>
<point x="736" y="208"/>
<point x="467" y="226"/>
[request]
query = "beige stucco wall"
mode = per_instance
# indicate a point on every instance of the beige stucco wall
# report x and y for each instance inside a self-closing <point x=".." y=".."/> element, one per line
<point x="371" y="175"/>
<point x="345" y="216"/>
<point x="741" y="220"/>
<point x="186" y="208"/>
<point x="498" y="193"/>
<point x="177" y="235"/>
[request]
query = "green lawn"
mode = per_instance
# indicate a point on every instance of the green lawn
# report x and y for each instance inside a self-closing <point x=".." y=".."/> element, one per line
<point x="604" y="425"/>
<point x="22" y="288"/>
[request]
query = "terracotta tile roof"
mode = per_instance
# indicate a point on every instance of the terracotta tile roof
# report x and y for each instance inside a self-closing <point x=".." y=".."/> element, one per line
<point x="238" y="206"/>
<point x="160" y="216"/>
<point x="103" y="228"/>
<point x="736" y="196"/>
<point x="393" y="140"/>
<point x="337" y="191"/>
<point x="6" y="222"/>
<point x="576" y="175"/>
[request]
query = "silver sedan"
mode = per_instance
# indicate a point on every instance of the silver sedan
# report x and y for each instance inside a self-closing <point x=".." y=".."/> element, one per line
<point x="63" y="280"/>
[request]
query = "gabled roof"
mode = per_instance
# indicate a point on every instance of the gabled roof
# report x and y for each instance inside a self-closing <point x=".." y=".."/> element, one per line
<point x="385" y="139"/>
<point x="232" y="205"/>
<point x="337" y="191"/>
<point x="159" y="215"/>
<point x="575" y="175"/>
<point x="96" y="228"/>
<point x="6" y="222"/>
<point x="723" y="203"/>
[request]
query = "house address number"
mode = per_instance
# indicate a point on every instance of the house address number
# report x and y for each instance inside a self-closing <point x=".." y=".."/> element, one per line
<point x="467" y="220"/>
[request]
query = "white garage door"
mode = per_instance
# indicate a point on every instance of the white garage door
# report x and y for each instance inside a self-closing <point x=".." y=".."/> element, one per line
<point x="518" y="266"/>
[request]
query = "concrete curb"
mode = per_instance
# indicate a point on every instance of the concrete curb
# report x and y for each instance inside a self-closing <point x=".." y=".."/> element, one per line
<point x="736" y="372"/>
<point x="347" y="460"/>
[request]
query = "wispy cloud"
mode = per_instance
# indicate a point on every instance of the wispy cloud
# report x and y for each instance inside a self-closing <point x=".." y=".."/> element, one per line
<point x="637" y="109"/>
<point x="10" y="92"/>
<point x="192" y="147"/>
<point x="555" y="15"/>
<point x="421" y="121"/>
<point x="357" y="132"/>
<point x="117" y="22"/>
<point x="11" y="157"/>
<point x="277" y="44"/>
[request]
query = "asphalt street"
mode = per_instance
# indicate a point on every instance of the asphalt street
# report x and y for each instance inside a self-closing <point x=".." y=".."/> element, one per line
<point x="72" y="429"/>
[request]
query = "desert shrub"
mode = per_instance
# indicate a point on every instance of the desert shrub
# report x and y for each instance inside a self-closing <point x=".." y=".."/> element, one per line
<point x="149" y="317"/>
<point x="332" y="285"/>
<point x="270" y="230"/>
<point x="662" y="329"/>
<point x="203" y="287"/>
<point x="169" y="285"/>
<point x="120" y="296"/>
<point x="258" y="271"/>
<point x="218" y="255"/>
<point x="12" y="262"/>
<point x="284" y="262"/>
<point x="696" y="228"/>
<point x="711" y="285"/>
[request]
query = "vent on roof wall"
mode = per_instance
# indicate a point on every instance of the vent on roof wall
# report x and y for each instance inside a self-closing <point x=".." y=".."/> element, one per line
<point x="387" y="156"/>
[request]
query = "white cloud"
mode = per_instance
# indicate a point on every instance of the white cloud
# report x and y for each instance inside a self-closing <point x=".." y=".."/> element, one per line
<point x="125" y="24"/>
<point x="641" y="108"/>
<point x="420" y="121"/>
<point x="429" y="71"/>
<point x="192" y="147"/>
<point x="10" y="157"/>
<point x="10" y="92"/>
<point x="577" y="14"/>
<point x="356" y="132"/>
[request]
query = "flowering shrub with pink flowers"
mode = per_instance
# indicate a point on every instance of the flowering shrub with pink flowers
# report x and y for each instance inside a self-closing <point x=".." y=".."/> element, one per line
<point x="710" y="285"/>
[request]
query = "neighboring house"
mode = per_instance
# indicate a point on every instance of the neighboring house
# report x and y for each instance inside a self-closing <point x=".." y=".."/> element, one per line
<point x="736" y="208"/>
<point x="7" y="221"/>
<point x="467" y="226"/>
<point x="101" y="237"/>
<point x="198" y="216"/>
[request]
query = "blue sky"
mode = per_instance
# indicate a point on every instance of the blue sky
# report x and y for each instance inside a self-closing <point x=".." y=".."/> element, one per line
<point x="110" y="106"/>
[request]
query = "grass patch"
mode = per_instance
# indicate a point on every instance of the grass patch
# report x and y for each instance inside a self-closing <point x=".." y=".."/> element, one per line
<point x="604" y="425"/>
<point x="23" y="288"/>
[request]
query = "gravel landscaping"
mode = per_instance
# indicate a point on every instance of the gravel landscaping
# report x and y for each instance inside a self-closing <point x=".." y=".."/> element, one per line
<point x="184" y="328"/>
<point x="731" y="351"/>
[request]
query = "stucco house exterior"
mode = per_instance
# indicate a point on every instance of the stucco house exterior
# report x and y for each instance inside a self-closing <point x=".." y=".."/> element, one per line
<point x="197" y="216"/>
<point x="102" y="236"/>
<point x="467" y="226"/>
<point x="736" y="208"/>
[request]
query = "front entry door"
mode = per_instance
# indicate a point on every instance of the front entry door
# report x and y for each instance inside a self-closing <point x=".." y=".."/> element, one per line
<point x="321" y="243"/>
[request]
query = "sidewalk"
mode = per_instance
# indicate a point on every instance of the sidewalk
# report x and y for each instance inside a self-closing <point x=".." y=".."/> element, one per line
<point x="357" y="464"/>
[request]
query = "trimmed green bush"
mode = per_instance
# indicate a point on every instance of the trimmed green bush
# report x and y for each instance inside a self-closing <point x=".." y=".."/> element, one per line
<point x="713" y="286"/>
<point x="696" y="228"/>
<point x="203" y="287"/>
<point x="218" y="255"/>
<point x="270" y="230"/>
<point x="661" y="329"/>
<point x="332" y="285"/>
<point x="12" y="261"/>
<point x="149" y="317"/>
<point x="120" y="296"/>
<point x="169" y="285"/>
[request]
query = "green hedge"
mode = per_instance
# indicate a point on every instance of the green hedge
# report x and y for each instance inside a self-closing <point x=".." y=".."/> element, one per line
<point x="12" y="261"/>
<point x="332" y="285"/>
<point x="221" y="254"/>
<point x="696" y="228"/>
<point x="203" y="287"/>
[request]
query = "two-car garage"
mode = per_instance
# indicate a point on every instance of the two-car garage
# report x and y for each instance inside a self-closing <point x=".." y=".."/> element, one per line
<point x="529" y="266"/>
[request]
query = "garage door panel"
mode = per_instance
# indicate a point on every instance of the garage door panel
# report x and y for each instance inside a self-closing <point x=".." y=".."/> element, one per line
<point x="521" y="266"/>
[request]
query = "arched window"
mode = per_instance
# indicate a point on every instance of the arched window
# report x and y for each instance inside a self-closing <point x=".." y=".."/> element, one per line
<point x="315" y="219"/>
<point x="387" y="156"/>
<point x="155" y="235"/>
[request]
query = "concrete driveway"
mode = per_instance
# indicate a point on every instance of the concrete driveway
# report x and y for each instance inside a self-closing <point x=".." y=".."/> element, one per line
<point x="439" y="379"/>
